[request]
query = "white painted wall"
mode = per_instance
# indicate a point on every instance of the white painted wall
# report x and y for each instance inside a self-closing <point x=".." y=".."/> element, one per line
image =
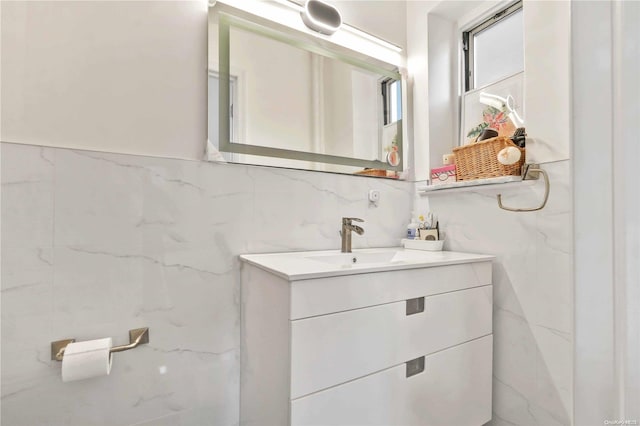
<point x="547" y="83"/>
<point x="386" y="19"/>
<point x="627" y="199"/>
<point x="606" y="107"/>
<point x="417" y="113"/>
<point x="594" y="368"/>
<point x="124" y="77"/>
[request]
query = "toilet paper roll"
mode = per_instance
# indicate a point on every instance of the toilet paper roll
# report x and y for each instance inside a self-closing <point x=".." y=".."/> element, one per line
<point x="84" y="360"/>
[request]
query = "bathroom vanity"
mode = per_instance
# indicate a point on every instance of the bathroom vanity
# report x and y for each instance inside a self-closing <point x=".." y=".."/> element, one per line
<point x="375" y="337"/>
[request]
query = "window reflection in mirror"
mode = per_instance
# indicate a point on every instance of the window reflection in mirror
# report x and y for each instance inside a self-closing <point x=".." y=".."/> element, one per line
<point x="293" y="105"/>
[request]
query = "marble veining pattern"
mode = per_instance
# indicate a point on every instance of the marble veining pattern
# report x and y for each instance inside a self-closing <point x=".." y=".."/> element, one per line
<point x="533" y="285"/>
<point x="94" y="244"/>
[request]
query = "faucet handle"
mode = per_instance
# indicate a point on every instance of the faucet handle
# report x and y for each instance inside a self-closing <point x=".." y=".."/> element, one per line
<point x="348" y="220"/>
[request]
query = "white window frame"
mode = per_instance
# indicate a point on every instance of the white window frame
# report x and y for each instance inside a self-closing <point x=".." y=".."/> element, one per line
<point x="467" y="44"/>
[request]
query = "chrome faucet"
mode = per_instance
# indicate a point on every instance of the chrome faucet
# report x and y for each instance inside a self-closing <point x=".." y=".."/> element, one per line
<point x="347" y="227"/>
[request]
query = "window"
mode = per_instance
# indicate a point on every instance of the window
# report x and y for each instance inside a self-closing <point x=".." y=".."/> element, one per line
<point x="494" y="49"/>
<point x="391" y="100"/>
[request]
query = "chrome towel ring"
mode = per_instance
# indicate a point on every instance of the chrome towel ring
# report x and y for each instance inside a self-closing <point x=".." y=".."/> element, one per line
<point x="532" y="173"/>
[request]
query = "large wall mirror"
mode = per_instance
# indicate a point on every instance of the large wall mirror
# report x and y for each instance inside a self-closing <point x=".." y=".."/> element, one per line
<point x="283" y="99"/>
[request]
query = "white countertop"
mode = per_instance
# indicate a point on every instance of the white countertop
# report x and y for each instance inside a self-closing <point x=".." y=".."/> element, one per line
<point x="301" y="265"/>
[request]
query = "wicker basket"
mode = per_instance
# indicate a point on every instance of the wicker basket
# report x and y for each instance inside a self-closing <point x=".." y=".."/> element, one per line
<point x="479" y="160"/>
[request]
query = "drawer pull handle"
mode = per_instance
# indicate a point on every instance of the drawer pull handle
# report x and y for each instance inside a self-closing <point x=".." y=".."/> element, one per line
<point x="415" y="366"/>
<point x="415" y="306"/>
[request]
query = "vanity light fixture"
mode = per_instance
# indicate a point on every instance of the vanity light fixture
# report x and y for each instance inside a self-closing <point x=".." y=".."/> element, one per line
<point x="290" y="4"/>
<point x="308" y="17"/>
<point x="324" y="20"/>
<point x="370" y="37"/>
<point x="321" y="17"/>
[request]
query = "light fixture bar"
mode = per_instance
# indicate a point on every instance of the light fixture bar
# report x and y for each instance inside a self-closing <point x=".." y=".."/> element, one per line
<point x="291" y="4"/>
<point x="350" y="28"/>
<point x="372" y="38"/>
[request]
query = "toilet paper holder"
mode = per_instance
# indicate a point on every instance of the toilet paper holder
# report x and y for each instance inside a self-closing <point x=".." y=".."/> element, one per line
<point x="137" y="336"/>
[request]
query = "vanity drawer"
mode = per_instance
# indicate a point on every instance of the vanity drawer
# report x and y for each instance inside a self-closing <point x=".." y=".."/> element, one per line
<point x="453" y="389"/>
<point x="323" y="296"/>
<point x="331" y="349"/>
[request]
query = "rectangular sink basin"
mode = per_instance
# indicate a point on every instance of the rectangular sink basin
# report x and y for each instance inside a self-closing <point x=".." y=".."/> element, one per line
<point x="347" y="259"/>
<point x="329" y="263"/>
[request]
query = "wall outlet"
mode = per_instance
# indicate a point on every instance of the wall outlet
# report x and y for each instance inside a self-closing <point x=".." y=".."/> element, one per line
<point x="374" y="196"/>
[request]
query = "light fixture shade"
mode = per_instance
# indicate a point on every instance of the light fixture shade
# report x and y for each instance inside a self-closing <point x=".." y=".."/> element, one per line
<point x="321" y="17"/>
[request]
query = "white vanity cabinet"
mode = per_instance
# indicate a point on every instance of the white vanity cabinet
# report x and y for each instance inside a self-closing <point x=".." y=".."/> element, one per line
<point x="409" y="343"/>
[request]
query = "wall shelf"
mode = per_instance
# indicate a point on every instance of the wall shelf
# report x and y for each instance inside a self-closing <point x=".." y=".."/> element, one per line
<point x="472" y="185"/>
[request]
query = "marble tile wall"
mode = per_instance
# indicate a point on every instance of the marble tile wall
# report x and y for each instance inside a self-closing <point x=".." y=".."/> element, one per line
<point x="95" y="244"/>
<point x="533" y="291"/>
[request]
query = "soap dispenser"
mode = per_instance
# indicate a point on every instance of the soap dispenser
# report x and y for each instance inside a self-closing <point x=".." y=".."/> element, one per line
<point x="412" y="228"/>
